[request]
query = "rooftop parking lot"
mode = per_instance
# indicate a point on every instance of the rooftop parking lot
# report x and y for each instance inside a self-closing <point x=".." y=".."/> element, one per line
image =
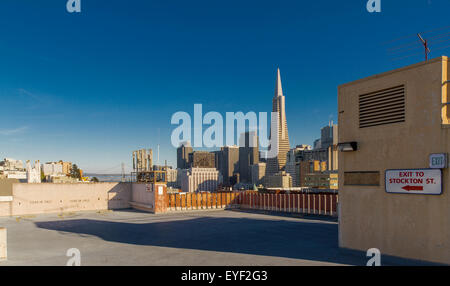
<point x="194" y="238"/>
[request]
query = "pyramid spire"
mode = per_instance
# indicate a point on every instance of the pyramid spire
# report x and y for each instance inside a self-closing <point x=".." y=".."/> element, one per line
<point x="278" y="163"/>
<point x="278" y="88"/>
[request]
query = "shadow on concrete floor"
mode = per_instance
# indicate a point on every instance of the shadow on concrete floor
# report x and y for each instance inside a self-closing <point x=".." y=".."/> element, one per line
<point x="286" y="214"/>
<point x="313" y="240"/>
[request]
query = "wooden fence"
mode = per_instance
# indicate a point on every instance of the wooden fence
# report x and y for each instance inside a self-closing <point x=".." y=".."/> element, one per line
<point x="319" y="204"/>
<point x="202" y="201"/>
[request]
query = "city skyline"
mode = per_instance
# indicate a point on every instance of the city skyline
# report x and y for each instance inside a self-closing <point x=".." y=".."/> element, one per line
<point x="101" y="84"/>
<point x="222" y="135"/>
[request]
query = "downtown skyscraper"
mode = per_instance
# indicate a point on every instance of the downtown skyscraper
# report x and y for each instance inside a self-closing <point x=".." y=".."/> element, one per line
<point x="183" y="152"/>
<point x="278" y="163"/>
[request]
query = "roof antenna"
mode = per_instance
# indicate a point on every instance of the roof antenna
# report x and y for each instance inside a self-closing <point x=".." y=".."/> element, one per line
<point x="425" y="44"/>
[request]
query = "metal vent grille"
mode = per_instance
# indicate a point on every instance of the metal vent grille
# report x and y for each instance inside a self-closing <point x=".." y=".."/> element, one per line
<point x="381" y="107"/>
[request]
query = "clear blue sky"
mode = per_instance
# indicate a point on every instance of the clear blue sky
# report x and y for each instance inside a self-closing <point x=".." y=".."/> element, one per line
<point x="92" y="87"/>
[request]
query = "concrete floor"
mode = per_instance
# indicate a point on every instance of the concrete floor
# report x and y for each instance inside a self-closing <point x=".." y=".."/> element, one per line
<point x="196" y="238"/>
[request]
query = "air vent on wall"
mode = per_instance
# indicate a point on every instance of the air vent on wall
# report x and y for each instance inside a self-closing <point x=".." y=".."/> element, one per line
<point x="381" y="107"/>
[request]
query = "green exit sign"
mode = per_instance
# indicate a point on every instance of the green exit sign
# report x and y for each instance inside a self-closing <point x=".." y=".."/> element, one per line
<point x="438" y="161"/>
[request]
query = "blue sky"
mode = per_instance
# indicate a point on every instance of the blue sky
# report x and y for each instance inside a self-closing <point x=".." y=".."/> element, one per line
<point x="92" y="87"/>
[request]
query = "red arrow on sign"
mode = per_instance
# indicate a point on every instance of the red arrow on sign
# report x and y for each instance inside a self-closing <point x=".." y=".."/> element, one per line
<point x="413" y="188"/>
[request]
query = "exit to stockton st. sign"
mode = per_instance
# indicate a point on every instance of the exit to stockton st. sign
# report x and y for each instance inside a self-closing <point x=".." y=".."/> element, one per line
<point x="414" y="181"/>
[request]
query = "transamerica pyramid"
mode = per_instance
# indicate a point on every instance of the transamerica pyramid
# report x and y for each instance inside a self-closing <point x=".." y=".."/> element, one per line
<point x="278" y="163"/>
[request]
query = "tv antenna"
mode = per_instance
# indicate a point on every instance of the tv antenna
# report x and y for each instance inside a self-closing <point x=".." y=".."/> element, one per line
<point x="406" y="46"/>
<point x="425" y="44"/>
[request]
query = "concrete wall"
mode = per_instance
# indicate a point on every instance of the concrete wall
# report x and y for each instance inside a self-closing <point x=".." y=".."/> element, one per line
<point x="149" y="197"/>
<point x="3" y="244"/>
<point x="6" y="186"/>
<point x="405" y="225"/>
<point x="143" y="194"/>
<point x="55" y="198"/>
<point x="5" y="208"/>
<point x="29" y="199"/>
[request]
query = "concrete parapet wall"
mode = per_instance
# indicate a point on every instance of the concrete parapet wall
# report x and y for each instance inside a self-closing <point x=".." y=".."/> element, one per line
<point x="6" y="186"/>
<point x="143" y="194"/>
<point x="3" y="241"/>
<point x="5" y="208"/>
<point x="149" y="197"/>
<point x="56" y="198"/>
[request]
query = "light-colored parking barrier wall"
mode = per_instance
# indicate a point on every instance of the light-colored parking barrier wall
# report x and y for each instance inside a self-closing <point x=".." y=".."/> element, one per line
<point x="31" y="199"/>
<point x="3" y="241"/>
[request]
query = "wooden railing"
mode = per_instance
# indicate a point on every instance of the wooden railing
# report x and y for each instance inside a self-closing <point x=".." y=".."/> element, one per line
<point x="201" y="201"/>
<point x="319" y="204"/>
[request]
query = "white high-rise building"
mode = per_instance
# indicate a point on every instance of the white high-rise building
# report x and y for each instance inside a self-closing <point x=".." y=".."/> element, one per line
<point x="274" y="165"/>
<point x="200" y="180"/>
<point x="33" y="173"/>
<point x="52" y="169"/>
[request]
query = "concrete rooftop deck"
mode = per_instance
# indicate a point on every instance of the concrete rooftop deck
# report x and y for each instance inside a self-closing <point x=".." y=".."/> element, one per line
<point x="195" y="238"/>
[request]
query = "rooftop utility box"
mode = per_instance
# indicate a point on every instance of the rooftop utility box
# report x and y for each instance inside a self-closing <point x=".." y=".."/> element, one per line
<point x="394" y="138"/>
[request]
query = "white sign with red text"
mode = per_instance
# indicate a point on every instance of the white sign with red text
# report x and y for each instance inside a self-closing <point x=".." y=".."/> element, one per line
<point x="414" y="181"/>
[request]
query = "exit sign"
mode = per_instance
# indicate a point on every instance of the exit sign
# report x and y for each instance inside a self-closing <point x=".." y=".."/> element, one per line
<point x="414" y="181"/>
<point x="438" y="161"/>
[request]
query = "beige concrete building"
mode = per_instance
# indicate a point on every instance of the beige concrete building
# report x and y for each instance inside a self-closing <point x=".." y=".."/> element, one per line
<point x="302" y="161"/>
<point x="33" y="172"/>
<point x="200" y="180"/>
<point x="66" y="167"/>
<point x="258" y="173"/>
<point x="397" y="120"/>
<point x="280" y="180"/>
<point x="321" y="180"/>
<point x="315" y="174"/>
